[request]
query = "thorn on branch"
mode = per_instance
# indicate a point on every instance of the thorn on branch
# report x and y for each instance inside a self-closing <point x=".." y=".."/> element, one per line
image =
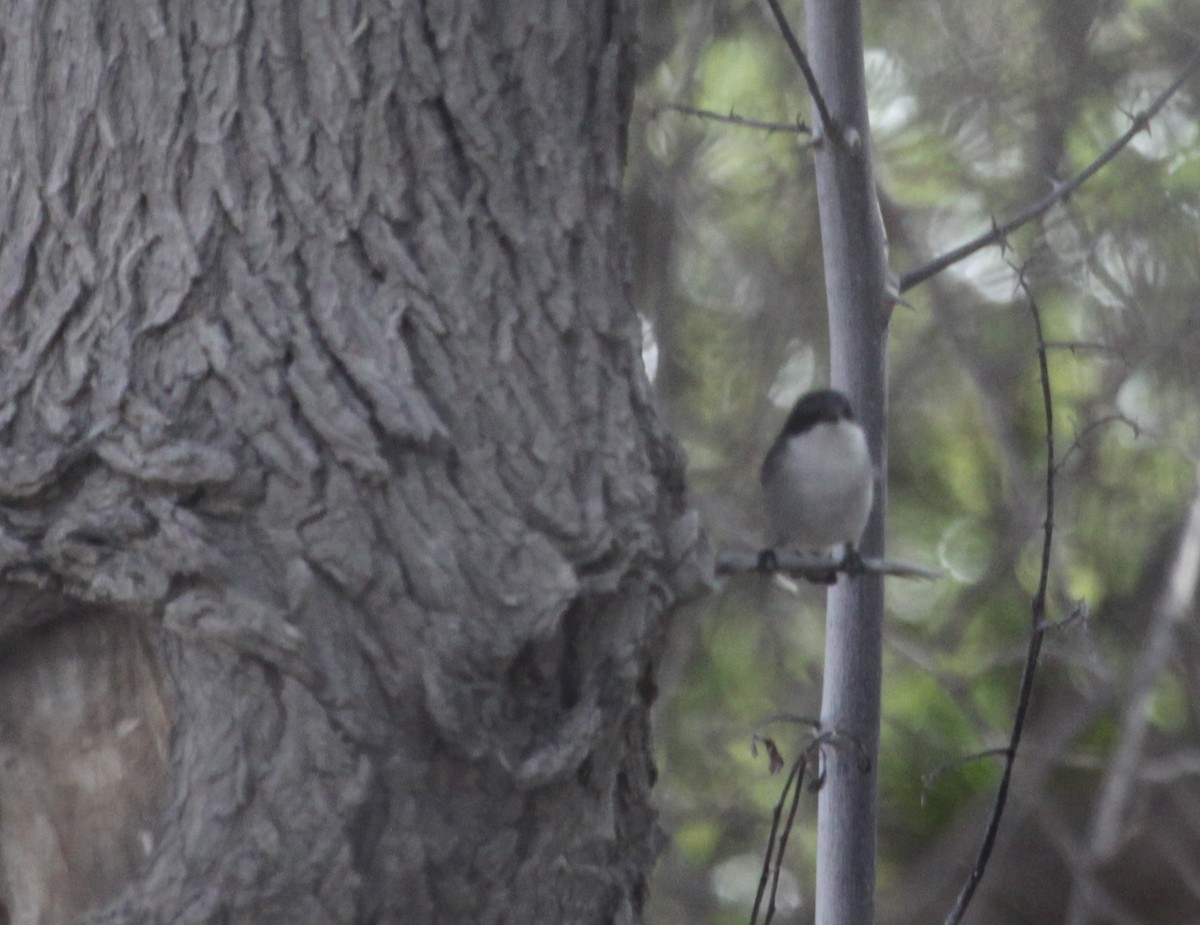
<point x="1000" y="236"/>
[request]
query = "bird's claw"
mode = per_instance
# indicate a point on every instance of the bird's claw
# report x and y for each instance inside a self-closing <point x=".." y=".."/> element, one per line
<point x="852" y="562"/>
<point x="768" y="563"/>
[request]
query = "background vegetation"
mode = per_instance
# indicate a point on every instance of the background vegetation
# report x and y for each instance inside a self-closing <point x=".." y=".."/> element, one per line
<point x="978" y="108"/>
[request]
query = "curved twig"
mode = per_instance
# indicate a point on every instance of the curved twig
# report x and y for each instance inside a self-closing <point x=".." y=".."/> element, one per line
<point x="1000" y="232"/>
<point x="1115" y="418"/>
<point x="1036" y="633"/>
<point x="930" y="776"/>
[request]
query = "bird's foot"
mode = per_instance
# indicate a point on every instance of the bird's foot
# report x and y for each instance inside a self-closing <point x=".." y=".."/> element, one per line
<point x="852" y="562"/>
<point x="768" y="563"/>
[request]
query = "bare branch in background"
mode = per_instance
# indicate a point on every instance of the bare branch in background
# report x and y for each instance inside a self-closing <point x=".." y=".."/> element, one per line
<point x="1172" y="768"/>
<point x="930" y="777"/>
<point x="1123" y="771"/>
<point x="1036" y="633"/>
<point x="1000" y="232"/>
<point x="1114" y="418"/>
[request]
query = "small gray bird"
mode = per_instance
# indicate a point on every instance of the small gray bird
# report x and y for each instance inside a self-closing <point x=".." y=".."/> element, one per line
<point x="817" y="479"/>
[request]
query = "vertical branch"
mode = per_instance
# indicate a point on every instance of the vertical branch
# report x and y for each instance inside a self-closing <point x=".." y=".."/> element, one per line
<point x="1172" y="609"/>
<point x="854" y="261"/>
<point x="1036" y="633"/>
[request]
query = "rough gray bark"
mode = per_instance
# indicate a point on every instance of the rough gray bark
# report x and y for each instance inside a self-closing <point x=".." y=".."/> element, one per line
<point x="319" y="371"/>
<point x="853" y="248"/>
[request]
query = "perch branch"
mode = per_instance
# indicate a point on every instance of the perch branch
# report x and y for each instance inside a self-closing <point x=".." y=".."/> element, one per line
<point x="800" y="566"/>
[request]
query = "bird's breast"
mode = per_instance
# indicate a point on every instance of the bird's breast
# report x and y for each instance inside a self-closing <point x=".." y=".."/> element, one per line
<point x="819" y="486"/>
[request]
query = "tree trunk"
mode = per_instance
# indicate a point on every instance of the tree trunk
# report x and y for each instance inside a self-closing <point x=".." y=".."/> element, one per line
<point x="330" y="461"/>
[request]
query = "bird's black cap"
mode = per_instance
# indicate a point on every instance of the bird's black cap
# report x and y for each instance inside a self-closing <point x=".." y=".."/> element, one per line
<point x="824" y="406"/>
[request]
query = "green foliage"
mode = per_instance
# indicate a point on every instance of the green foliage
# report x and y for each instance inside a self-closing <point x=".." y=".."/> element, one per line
<point x="976" y="112"/>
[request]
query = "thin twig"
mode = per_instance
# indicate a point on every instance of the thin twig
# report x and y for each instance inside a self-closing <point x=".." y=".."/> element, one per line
<point x="783" y="839"/>
<point x="794" y="779"/>
<point x="1036" y="633"/>
<point x="799" y="127"/>
<point x="789" y="37"/>
<point x="999" y="233"/>
<point x="796" y="719"/>
<point x="1115" y="418"/>
<point x="930" y="776"/>
<point x="794" y="784"/>
<point x="1080" y="611"/>
<point x="1174" y="606"/>
<point x="1076" y="345"/>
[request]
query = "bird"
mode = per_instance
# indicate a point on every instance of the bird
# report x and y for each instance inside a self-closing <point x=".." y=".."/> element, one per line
<point x="818" y="481"/>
